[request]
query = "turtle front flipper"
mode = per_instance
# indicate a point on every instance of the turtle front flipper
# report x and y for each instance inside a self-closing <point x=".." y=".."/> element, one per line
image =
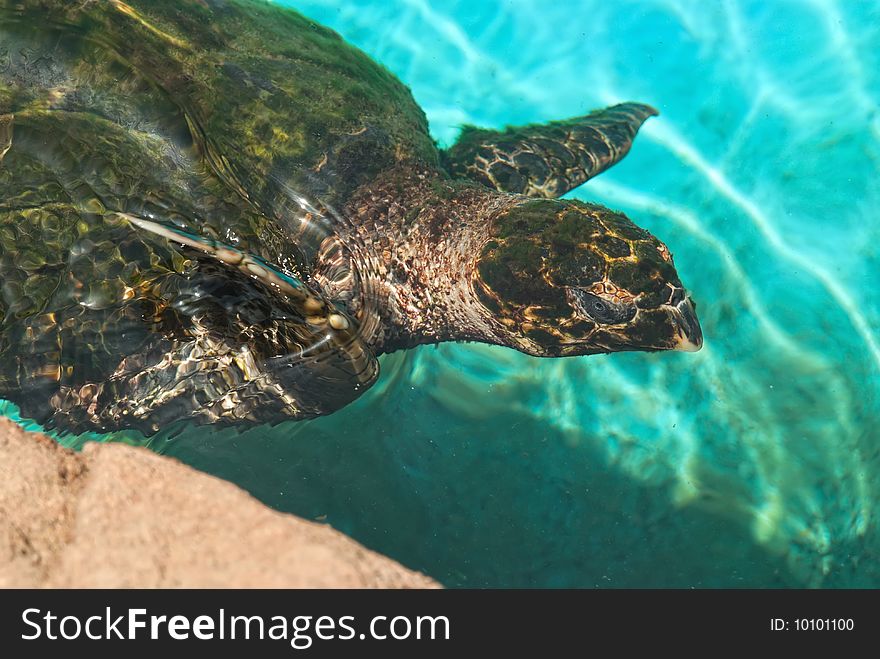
<point x="547" y="160"/>
<point x="140" y="325"/>
<point x="120" y="308"/>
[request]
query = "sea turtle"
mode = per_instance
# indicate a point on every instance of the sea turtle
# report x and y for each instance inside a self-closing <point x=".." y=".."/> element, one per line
<point x="218" y="210"/>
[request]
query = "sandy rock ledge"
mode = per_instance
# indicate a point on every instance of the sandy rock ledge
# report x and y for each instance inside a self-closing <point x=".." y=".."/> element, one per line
<point x="119" y="516"/>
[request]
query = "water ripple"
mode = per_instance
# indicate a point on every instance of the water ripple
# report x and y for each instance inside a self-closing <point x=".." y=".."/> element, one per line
<point x="487" y="467"/>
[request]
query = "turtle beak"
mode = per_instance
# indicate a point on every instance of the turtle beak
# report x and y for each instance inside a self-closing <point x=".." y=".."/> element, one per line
<point x="690" y="336"/>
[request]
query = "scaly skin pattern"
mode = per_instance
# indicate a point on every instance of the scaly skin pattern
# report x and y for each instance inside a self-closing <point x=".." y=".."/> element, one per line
<point x="547" y="160"/>
<point x="550" y="278"/>
<point x="217" y="210"/>
<point x="580" y="279"/>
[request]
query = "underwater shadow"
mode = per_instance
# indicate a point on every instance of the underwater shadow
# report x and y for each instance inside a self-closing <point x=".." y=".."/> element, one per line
<point x="497" y="502"/>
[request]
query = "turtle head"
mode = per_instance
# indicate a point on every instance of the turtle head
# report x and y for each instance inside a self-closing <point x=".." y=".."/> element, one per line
<point x="568" y="278"/>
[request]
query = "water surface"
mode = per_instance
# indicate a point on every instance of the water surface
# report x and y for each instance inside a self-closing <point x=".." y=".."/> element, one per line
<point x="755" y="462"/>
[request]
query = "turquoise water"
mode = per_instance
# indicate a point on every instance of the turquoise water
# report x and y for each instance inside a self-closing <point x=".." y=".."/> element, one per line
<point x="755" y="462"/>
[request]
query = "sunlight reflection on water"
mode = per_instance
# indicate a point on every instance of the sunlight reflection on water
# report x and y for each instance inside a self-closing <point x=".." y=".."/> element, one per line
<point x="754" y="462"/>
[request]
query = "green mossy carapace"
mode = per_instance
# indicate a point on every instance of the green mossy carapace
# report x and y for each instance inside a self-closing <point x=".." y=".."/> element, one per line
<point x="218" y="210"/>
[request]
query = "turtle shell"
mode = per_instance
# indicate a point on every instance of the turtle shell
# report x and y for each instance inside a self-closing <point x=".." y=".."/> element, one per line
<point x="156" y="159"/>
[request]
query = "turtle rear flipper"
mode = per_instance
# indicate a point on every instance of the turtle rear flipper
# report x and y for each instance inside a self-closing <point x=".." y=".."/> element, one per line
<point x="547" y="160"/>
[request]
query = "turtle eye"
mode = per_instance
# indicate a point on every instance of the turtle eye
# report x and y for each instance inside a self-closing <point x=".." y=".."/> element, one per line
<point x="601" y="310"/>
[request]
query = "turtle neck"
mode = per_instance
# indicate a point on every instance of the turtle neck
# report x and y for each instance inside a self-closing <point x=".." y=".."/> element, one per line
<point x="404" y="256"/>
